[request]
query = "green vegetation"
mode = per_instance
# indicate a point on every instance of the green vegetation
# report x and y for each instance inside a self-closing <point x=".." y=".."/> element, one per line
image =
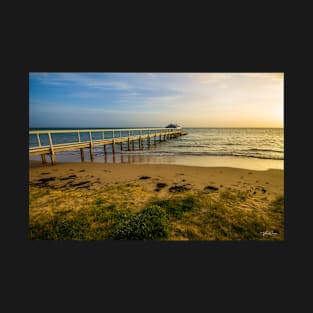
<point x="178" y="206"/>
<point x="149" y="224"/>
<point x="233" y="215"/>
<point x="103" y="222"/>
<point x="234" y="195"/>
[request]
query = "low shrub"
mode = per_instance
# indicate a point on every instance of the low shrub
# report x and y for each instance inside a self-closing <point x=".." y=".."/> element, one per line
<point x="177" y="206"/>
<point x="149" y="224"/>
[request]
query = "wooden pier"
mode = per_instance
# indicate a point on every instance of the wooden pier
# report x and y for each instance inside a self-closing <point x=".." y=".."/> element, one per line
<point x="116" y="138"/>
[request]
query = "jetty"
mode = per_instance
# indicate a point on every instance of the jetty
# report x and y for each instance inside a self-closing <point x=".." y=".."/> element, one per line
<point x="47" y="143"/>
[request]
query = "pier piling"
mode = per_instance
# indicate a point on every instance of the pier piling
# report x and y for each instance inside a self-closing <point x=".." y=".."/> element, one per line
<point x="142" y="135"/>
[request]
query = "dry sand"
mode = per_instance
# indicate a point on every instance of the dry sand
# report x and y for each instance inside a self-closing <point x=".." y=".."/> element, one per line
<point x="94" y="179"/>
<point x="272" y="181"/>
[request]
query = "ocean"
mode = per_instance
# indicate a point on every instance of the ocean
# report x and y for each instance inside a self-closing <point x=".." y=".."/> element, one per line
<point x="250" y="148"/>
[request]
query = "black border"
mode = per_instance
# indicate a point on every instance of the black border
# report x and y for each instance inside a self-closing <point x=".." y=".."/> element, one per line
<point x="134" y="267"/>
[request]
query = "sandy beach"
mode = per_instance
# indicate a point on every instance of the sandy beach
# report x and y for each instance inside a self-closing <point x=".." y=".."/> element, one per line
<point x="75" y="186"/>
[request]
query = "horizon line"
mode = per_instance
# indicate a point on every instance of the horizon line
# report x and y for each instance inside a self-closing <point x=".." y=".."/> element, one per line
<point x="81" y="127"/>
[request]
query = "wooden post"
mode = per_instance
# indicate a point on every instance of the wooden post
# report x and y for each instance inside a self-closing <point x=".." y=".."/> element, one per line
<point x="91" y="152"/>
<point x="38" y="140"/>
<point x="105" y="153"/>
<point x="43" y="158"/>
<point x="149" y="141"/>
<point x="139" y="143"/>
<point x="82" y="154"/>
<point x="113" y="146"/>
<point x="52" y="154"/>
<point x="133" y="144"/>
<point x="91" y="147"/>
<point x="121" y="146"/>
<point x="128" y="143"/>
<point x="50" y="140"/>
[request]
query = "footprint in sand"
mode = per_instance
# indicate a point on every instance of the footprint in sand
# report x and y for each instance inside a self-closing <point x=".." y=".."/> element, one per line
<point x="159" y="186"/>
<point x="68" y="177"/>
<point x="144" y="177"/>
<point x="178" y="188"/>
<point x="211" y="188"/>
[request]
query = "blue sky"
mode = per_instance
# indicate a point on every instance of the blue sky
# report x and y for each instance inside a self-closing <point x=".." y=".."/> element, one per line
<point x="155" y="99"/>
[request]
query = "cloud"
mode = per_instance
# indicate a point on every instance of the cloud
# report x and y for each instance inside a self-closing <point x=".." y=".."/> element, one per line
<point x="130" y="97"/>
<point x="217" y="80"/>
<point x="97" y="81"/>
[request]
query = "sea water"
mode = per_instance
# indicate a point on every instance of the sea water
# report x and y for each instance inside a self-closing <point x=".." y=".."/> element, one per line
<point x="251" y="148"/>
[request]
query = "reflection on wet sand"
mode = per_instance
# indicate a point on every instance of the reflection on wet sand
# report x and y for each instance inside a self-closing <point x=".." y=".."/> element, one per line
<point x="151" y="158"/>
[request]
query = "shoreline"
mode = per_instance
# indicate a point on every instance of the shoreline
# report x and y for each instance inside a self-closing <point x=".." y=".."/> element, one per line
<point x="203" y="161"/>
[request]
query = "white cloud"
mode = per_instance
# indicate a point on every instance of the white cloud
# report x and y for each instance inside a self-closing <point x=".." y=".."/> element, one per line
<point x="98" y="81"/>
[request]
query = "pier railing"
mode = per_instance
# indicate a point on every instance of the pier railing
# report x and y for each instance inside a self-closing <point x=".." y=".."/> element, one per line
<point x="47" y="142"/>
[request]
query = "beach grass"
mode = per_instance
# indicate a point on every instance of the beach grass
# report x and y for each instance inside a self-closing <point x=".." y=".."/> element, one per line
<point x="187" y="215"/>
<point x="87" y="201"/>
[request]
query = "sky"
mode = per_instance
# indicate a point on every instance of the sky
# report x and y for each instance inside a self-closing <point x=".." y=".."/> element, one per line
<point x="156" y="99"/>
